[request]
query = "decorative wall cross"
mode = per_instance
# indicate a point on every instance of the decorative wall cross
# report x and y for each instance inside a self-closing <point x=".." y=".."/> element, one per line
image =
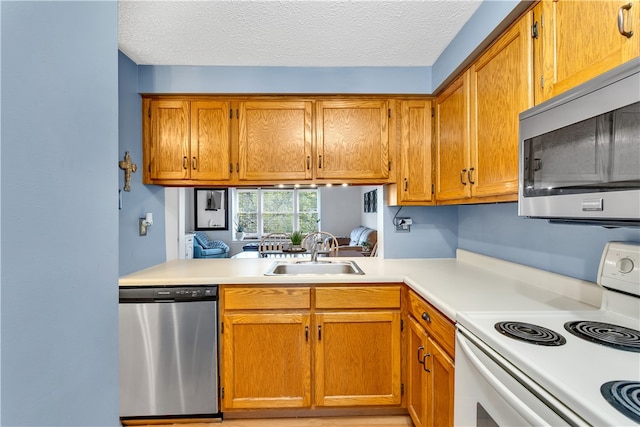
<point x="128" y="167"/>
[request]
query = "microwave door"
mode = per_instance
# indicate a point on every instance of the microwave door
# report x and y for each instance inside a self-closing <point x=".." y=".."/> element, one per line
<point x="570" y="159"/>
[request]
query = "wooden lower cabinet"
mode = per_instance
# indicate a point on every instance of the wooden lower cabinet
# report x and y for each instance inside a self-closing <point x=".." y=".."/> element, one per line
<point x="357" y="360"/>
<point x="430" y="369"/>
<point x="439" y="386"/>
<point x="267" y="360"/>
<point x="416" y="373"/>
<point x="271" y="335"/>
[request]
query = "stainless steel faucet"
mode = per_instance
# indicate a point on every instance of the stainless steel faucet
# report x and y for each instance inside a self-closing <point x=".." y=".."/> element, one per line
<point x="314" y="251"/>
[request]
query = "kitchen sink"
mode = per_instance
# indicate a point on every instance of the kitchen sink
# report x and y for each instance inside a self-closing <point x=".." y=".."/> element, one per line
<point x="295" y="268"/>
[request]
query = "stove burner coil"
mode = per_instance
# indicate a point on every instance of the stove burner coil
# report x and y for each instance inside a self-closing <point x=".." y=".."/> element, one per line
<point x="606" y="334"/>
<point x="533" y="334"/>
<point x="624" y="396"/>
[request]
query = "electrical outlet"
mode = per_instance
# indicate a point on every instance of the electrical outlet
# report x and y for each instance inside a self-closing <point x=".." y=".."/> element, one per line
<point x="403" y="225"/>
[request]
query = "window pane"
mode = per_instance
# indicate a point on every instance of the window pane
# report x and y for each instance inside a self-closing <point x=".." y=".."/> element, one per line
<point x="277" y="201"/>
<point x="248" y="210"/>
<point x="308" y="211"/>
<point x="308" y="222"/>
<point x="277" y="223"/>
<point x="308" y="201"/>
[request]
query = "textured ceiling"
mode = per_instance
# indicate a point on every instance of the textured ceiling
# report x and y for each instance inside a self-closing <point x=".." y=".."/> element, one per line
<point x="300" y="33"/>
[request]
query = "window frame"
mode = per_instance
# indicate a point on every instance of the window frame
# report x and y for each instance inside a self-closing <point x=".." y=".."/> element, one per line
<point x="260" y="206"/>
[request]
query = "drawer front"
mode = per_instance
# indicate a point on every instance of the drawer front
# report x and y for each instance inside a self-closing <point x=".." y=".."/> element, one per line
<point x="436" y="324"/>
<point x="257" y="298"/>
<point x="358" y="297"/>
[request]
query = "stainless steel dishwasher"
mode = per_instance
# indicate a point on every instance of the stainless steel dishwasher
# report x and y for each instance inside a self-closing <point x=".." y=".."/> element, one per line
<point x="168" y="351"/>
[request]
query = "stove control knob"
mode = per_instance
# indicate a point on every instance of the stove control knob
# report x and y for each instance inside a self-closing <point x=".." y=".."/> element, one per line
<point x="625" y="265"/>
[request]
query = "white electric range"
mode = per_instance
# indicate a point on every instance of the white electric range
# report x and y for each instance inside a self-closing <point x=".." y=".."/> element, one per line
<point x="556" y="368"/>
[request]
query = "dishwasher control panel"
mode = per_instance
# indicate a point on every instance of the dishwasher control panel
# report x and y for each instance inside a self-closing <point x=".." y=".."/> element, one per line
<point x="168" y="294"/>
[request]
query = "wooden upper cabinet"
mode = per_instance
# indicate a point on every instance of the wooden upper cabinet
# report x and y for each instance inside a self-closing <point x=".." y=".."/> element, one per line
<point x="414" y="178"/>
<point x="186" y="140"/>
<point x="579" y="40"/>
<point x="501" y="88"/>
<point x="275" y="140"/>
<point x="452" y="136"/>
<point x="415" y="152"/>
<point x="169" y="144"/>
<point x="250" y="140"/>
<point x="210" y="141"/>
<point x="352" y="139"/>
<point x="477" y="122"/>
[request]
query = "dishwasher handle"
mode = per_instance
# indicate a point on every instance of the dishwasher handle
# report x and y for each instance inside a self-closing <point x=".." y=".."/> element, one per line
<point x="160" y="294"/>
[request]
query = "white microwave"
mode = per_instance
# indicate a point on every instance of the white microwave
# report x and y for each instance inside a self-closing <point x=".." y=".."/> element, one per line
<point x="579" y="153"/>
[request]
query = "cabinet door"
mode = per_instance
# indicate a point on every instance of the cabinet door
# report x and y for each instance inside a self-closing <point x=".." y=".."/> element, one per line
<point x="416" y="373"/>
<point x="415" y="152"/>
<point x="266" y="361"/>
<point x="210" y="141"/>
<point x="169" y="139"/>
<point x="357" y="359"/>
<point x="452" y="135"/>
<point x="439" y="386"/>
<point x="275" y="140"/>
<point x="352" y="139"/>
<point x="501" y="88"/>
<point x="582" y="39"/>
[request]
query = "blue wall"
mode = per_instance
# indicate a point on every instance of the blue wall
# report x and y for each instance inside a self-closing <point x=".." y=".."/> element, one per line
<point x="489" y="15"/>
<point x="573" y="250"/>
<point x="182" y="79"/>
<point x="434" y="232"/>
<point x="58" y="192"/>
<point x="136" y="252"/>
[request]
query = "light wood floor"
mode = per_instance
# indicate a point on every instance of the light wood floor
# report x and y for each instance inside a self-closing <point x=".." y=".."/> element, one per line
<point x="382" y="421"/>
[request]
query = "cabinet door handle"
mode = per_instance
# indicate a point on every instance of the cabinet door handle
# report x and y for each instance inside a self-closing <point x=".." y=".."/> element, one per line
<point x="406" y="184"/>
<point x="462" y="172"/>
<point x="184" y="162"/>
<point x="425" y="316"/>
<point x="319" y="332"/>
<point x="194" y="163"/>
<point x="230" y="167"/>
<point x="319" y="162"/>
<point x="471" y="181"/>
<point x="306" y="333"/>
<point x="308" y="162"/>
<point x="238" y="167"/>
<point x="627" y="34"/>
<point x="424" y="362"/>
<point x="420" y="359"/>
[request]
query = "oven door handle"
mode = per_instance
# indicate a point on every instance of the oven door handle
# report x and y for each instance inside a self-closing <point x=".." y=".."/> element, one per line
<point x="512" y="400"/>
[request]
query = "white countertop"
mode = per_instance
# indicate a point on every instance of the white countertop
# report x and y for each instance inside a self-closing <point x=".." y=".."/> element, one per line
<point x="470" y="282"/>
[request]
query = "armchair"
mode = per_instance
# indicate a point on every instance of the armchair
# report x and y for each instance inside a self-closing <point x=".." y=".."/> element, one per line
<point x="205" y="248"/>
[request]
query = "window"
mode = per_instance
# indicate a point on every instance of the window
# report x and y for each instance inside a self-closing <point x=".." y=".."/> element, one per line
<point x="262" y="211"/>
